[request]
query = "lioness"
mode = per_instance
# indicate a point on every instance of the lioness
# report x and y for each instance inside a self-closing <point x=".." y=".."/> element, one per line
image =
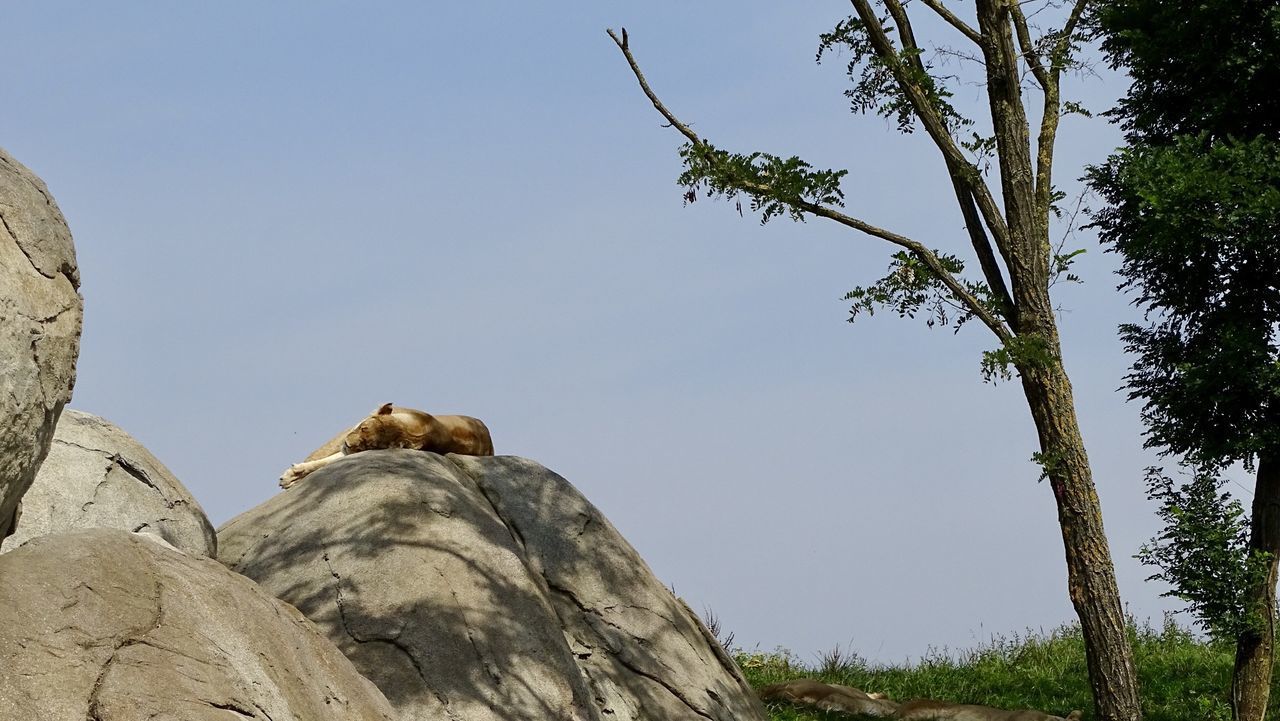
<point x="834" y="697"/>
<point x="830" y="697"/>
<point x="392" y="427"/>
<point x="943" y="711"/>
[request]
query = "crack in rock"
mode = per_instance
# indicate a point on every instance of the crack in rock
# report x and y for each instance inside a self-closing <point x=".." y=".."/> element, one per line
<point x="621" y="658"/>
<point x="258" y="706"/>
<point x="392" y="641"/>
<point x="4" y="222"/>
<point x="507" y="523"/>
<point x="671" y="689"/>
<point x="485" y="663"/>
<point x="45" y="320"/>
<point x="232" y="707"/>
<point x="73" y="444"/>
<point x="134" y="637"/>
<point x="139" y="473"/>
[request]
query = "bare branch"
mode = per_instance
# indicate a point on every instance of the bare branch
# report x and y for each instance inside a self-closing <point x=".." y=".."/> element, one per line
<point x="955" y="22"/>
<point x="1028" y="47"/>
<point x="963" y="56"/>
<point x="926" y="256"/>
<point x="623" y="44"/>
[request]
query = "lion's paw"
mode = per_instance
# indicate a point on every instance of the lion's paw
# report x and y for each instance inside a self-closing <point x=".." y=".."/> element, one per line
<point x="291" y="476"/>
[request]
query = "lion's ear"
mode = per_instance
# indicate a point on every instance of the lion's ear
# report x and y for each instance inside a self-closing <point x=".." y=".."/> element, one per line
<point x="385" y="410"/>
<point x="1074" y="715"/>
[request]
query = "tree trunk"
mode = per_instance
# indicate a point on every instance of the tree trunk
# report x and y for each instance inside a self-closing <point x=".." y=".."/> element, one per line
<point x="1251" y="678"/>
<point x="1091" y="578"/>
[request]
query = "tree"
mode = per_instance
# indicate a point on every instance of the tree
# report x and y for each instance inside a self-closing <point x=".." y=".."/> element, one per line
<point x="1203" y="552"/>
<point x="892" y="76"/>
<point x="1194" y="210"/>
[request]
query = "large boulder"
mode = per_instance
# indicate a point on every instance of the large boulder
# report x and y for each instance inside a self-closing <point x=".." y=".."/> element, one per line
<point x="477" y="589"/>
<point x="98" y="476"/>
<point x="113" y="626"/>
<point x="40" y="316"/>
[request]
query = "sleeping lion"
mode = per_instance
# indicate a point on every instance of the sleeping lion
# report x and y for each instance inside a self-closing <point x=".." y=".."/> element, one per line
<point x="849" y="700"/>
<point x="393" y="427"/>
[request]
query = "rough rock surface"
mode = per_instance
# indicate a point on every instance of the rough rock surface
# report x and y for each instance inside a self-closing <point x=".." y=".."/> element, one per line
<point x="98" y="476"/>
<point x="40" y="316"/>
<point x="112" y="626"/>
<point x="484" y="588"/>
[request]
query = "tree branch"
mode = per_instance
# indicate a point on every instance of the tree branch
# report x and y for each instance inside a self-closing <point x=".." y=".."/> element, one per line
<point x="1052" y="112"/>
<point x="1028" y="258"/>
<point x="1069" y="29"/>
<point x="908" y="36"/>
<point x="1049" y="118"/>
<point x="644" y="85"/>
<point x="926" y="256"/>
<point x="955" y="22"/>
<point x="937" y="130"/>
<point x="1028" y="47"/>
<point x="964" y="194"/>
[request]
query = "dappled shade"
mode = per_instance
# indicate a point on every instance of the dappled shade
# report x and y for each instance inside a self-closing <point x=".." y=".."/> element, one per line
<point x="484" y="588"/>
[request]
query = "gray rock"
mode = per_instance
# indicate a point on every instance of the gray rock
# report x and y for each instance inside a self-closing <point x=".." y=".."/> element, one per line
<point x="98" y="476"/>
<point x="104" y="625"/>
<point x="40" y="316"/>
<point x="645" y="654"/>
<point x="484" y="588"/>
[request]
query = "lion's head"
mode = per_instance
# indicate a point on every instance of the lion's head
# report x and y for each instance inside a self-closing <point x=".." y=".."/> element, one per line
<point x="377" y="431"/>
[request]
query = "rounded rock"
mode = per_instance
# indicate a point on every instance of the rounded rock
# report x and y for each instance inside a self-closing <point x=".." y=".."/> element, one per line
<point x="98" y="476"/>
<point x="41" y="313"/>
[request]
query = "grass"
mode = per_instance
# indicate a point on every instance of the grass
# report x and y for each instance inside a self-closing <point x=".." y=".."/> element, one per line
<point x="1183" y="678"/>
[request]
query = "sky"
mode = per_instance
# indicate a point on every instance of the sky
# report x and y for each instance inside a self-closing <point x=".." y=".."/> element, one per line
<point x="289" y="213"/>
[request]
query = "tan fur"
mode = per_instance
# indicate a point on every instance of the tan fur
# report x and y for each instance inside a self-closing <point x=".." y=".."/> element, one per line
<point x="943" y="711"/>
<point x="829" y="697"/>
<point x="846" y="699"/>
<point x="394" y="427"/>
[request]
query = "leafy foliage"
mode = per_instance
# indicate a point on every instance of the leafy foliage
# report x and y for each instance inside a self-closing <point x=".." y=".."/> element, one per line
<point x="1196" y="222"/>
<point x="1024" y="351"/>
<point x="775" y="185"/>
<point x="1208" y="66"/>
<point x="912" y="285"/>
<point x="1194" y="210"/>
<point x="875" y="87"/>
<point x="1060" y="267"/>
<point x="1203" y="552"/>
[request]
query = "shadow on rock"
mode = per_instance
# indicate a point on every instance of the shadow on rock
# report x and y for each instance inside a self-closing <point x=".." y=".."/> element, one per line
<point x="483" y="588"/>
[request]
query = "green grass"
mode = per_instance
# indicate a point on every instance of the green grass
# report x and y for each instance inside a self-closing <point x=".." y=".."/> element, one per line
<point x="1183" y="678"/>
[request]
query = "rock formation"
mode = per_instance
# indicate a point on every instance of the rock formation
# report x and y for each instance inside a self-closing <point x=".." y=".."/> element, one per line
<point x="112" y="626"/>
<point x="484" y="588"/>
<point x="40" y="316"/>
<point x="98" y="476"/>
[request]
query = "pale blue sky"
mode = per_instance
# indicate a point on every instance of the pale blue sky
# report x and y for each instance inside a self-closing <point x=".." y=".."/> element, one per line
<point x="287" y="214"/>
